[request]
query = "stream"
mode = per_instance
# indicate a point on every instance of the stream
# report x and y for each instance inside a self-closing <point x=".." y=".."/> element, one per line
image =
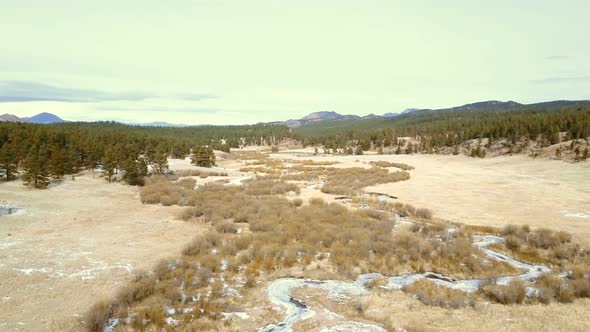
<point x="279" y="290"/>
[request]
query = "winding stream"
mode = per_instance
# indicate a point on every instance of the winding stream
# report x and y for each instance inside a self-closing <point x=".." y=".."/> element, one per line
<point x="279" y="290"/>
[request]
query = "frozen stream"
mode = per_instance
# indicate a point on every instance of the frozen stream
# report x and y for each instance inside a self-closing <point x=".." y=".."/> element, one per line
<point x="279" y="290"/>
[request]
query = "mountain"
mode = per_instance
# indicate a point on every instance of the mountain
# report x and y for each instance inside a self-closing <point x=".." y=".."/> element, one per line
<point x="9" y="118"/>
<point x="41" y="118"/>
<point x="44" y="118"/>
<point x="314" y="118"/>
<point x="336" y="120"/>
<point x="321" y="116"/>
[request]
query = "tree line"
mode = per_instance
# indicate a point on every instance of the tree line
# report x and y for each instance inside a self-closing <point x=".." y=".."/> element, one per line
<point x="42" y="152"/>
<point x="436" y="129"/>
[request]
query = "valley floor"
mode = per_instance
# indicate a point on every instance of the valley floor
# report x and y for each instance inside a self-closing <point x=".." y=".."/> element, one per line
<point x="75" y="244"/>
<point x="492" y="191"/>
<point x="79" y="242"/>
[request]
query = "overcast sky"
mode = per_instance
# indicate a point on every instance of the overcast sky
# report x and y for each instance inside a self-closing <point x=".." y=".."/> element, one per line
<point x="234" y="62"/>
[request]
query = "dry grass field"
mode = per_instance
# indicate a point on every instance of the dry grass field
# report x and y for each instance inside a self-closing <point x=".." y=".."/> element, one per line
<point x="212" y="240"/>
<point x="492" y="191"/>
<point x="76" y="243"/>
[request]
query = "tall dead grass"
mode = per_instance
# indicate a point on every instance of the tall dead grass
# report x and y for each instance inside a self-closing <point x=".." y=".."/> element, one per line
<point x="348" y="181"/>
<point x="385" y="164"/>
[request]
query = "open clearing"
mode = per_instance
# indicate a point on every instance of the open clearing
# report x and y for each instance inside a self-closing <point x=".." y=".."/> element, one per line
<point x="76" y="243"/>
<point x="493" y="191"/>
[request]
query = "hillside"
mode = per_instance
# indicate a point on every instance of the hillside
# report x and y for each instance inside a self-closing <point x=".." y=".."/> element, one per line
<point x="41" y="118"/>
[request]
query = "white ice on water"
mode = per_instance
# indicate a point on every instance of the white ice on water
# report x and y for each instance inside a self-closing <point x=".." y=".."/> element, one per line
<point x="279" y="290"/>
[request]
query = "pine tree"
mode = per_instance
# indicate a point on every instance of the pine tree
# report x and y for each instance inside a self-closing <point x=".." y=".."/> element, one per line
<point x="35" y="173"/>
<point x="109" y="163"/>
<point x="58" y="163"/>
<point x="9" y="160"/>
<point x="159" y="161"/>
<point x="203" y="156"/>
<point x="135" y="170"/>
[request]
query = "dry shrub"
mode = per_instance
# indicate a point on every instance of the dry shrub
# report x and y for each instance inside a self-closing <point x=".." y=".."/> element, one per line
<point x="187" y="183"/>
<point x="97" y="317"/>
<point x="385" y="164"/>
<point x="198" y="172"/>
<point x="581" y="287"/>
<point x="317" y="201"/>
<point x="263" y="186"/>
<point x="382" y="281"/>
<point x="202" y="244"/>
<point x="138" y="289"/>
<point x="423" y="213"/>
<point x="297" y="202"/>
<point x="226" y="227"/>
<point x="348" y="181"/>
<point x="513" y="293"/>
<point x="281" y="235"/>
<point x="431" y="294"/>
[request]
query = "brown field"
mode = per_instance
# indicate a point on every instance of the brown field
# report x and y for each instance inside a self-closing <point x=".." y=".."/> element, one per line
<point x="77" y="243"/>
<point x="83" y="241"/>
<point x="492" y="191"/>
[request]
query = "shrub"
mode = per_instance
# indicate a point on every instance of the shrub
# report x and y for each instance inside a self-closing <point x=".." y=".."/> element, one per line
<point x="138" y="289"/>
<point x="226" y="227"/>
<point x="297" y="202"/>
<point x="513" y="293"/>
<point x="97" y="317"/>
<point x="385" y="164"/>
<point x="423" y="213"/>
<point x="432" y="294"/>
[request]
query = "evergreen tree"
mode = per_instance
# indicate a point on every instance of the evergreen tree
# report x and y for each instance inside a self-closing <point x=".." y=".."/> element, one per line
<point x="35" y="173"/>
<point x="9" y="160"/>
<point x="58" y="163"/>
<point x="159" y="161"/>
<point x="109" y="163"/>
<point x="203" y="156"/>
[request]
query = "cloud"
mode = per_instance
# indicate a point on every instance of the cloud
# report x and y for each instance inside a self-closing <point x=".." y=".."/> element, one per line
<point x="196" y="97"/>
<point x="563" y="79"/>
<point x="154" y="108"/>
<point x="558" y="57"/>
<point x="23" y="91"/>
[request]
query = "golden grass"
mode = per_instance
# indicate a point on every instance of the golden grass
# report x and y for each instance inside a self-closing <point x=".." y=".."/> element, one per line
<point x="385" y="164"/>
<point x="432" y="294"/>
<point x="281" y="235"/>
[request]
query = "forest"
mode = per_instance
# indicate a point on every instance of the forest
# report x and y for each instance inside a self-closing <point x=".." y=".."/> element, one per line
<point x="41" y="152"/>
<point x="439" y="129"/>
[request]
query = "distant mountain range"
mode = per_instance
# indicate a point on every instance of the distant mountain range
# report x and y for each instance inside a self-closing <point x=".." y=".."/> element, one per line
<point x="327" y="116"/>
<point x="41" y="118"/>
<point x="491" y="105"/>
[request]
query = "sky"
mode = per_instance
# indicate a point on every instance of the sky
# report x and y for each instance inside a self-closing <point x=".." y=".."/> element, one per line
<point x="243" y="62"/>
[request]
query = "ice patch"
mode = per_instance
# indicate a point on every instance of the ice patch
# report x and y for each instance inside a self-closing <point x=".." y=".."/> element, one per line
<point x="6" y="210"/>
<point x="111" y="324"/>
<point x="8" y="244"/>
<point x="171" y="321"/>
<point x="279" y="290"/>
<point x="240" y="315"/>
<point x="576" y="214"/>
<point x="353" y="326"/>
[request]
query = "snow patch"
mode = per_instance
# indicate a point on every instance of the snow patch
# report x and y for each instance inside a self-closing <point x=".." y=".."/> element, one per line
<point x="576" y="214"/>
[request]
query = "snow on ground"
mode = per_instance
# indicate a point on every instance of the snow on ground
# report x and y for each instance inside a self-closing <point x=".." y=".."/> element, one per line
<point x="576" y="214"/>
